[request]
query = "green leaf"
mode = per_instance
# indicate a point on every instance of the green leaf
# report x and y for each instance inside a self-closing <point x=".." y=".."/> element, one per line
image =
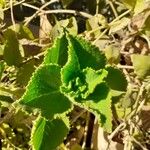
<point x="112" y="54"/>
<point x="136" y="5"/>
<point x="140" y="5"/>
<point x="24" y="73"/>
<point x="129" y="4"/>
<point x="88" y="55"/>
<point x="12" y="54"/>
<point x="95" y="22"/>
<point x="141" y="65"/>
<point x="43" y="92"/>
<point x="79" y="51"/>
<point x="84" y="83"/>
<point x="22" y="31"/>
<point x="116" y="79"/>
<point x="128" y="99"/>
<point x="72" y="68"/>
<point x="120" y="24"/>
<point x="93" y="78"/>
<point x="99" y="103"/>
<point x="78" y="84"/>
<point x="47" y="135"/>
<point x="57" y="54"/>
<point x="68" y="24"/>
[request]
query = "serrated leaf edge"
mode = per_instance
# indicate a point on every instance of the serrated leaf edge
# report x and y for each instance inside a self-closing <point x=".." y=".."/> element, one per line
<point x="33" y="76"/>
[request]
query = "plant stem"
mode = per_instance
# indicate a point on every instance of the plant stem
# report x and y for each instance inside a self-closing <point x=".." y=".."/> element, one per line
<point x="119" y="17"/>
<point x="98" y="28"/>
<point x="103" y="33"/>
<point x="136" y="105"/>
<point x="76" y="117"/>
<point x="138" y="143"/>
<point x="113" y="8"/>
<point x="122" y="125"/>
<point x="8" y="115"/>
<point x="18" y="3"/>
<point x="125" y="67"/>
<point x="68" y="11"/>
<point x="12" y="14"/>
<point x="97" y="6"/>
<point x="28" y="20"/>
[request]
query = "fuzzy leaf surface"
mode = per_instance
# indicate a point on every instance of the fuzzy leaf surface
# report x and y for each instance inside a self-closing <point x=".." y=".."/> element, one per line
<point x="72" y="68"/>
<point x="57" y="54"/>
<point x="88" y="55"/>
<point x="116" y="79"/>
<point x="72" y="74"/>
<point x="99" y="103"/>
<point x="47" y="135"/>
<point x="43" y="91"/>
<point x="84" y="81"/>
<point x="93" y="78"/>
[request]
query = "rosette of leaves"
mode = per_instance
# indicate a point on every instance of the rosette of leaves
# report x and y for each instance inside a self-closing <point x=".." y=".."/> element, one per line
<point x="73" y="72"/>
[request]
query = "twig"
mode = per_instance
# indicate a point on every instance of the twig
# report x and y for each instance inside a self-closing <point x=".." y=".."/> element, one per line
<point x="68" y="11"/>
<point x="124" y="53"/>
<point x="28" y="20"/>
<point x="131" y="131"/>
<point x="16" y="148"/>
<point x="103" y="33"/>
<point x="127" y="75"/>
<point x="113" y="8"/>
<point x="33" y="57"/>
<point x="119" y="4"/>
<point x="8" y="115"/>
<point x="30" y="6"/>
<point x="18" y="3"/>
<point x="119" y="17"/>
<point x="110" y="24"/>
<point x="139" y="95"/>
<point x="122" y="125"/>
<point x="97" y="6"/>
<point x="32" y="43"/>
<point x="76" y="117"/>
<point x="138" y="143"/>
<point x="85" y="130"/>
<point x="147" y="39"/>
<point x="12" y="14"/>
<point x="98" y="28"/>
<point x="6" y="90"/>
<point x="136" y="105"/>
<point x="141" y="105"/>
<point x="125" y="67"/>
